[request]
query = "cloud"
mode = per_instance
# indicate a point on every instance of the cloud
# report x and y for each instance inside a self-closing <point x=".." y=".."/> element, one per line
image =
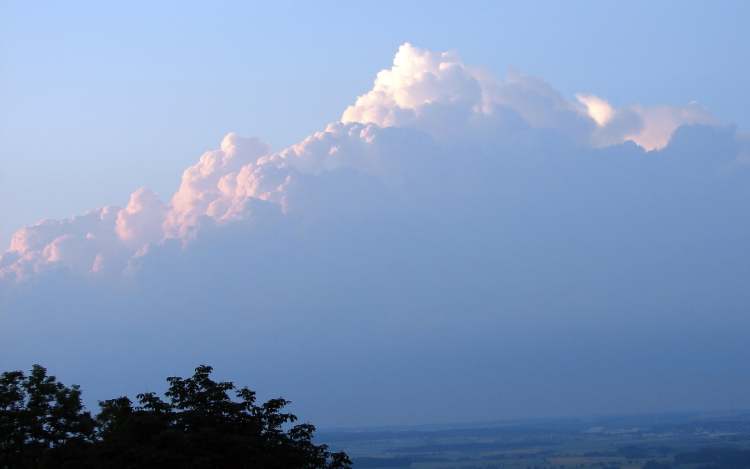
<point x="418" y="80"/>
<point x="659" y="123"/>
<point x="425" y="91"/>
<point x="649" y="127"/>
<point x="422" y="84"/>
<point x="79" y="244"/>
<point x="211" y="186"/>
<point x="140" y="222"/>
<point x="597" y="108"/>
<point x="450" y="225"/>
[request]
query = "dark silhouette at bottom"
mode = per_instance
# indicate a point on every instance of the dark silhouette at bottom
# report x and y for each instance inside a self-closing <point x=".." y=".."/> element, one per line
<point x="43" y="424"/>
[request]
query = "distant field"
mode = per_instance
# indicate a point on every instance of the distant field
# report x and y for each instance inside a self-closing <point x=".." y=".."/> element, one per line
<point x="688" y="440"/>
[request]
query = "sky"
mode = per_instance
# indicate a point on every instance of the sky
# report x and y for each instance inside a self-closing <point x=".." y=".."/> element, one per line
<point x="377" y="210"/>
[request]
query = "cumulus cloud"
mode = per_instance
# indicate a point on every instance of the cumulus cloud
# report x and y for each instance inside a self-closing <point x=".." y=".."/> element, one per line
<point x="649" y="127"/>
<point x="437" y="92"/>
<point x="450" y="228"/>
<point x="423" y="85"/>
<point x="659" y="123"/>
<point x="79" y="243"/>
<point x="140" y="222"/>
<point x="432" y="96"/>
<point x="418" y="80"/>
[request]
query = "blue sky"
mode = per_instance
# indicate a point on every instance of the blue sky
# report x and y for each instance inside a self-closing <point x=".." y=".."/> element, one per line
<point x="99" y="99"/>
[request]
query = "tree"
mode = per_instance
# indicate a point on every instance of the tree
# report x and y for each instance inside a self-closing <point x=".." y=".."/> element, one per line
<point x="199" y="425"/>
<point x="41" y="420"/>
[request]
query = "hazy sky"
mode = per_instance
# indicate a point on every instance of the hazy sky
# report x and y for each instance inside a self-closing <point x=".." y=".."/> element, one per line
<point x="388" y="214"/>
<point x="98" y="99"/>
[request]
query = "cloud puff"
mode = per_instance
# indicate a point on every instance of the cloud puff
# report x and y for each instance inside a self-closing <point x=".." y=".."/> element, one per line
<point x="423" y="86"/>
<point x="212" y="186"/>
<point x="649" y="127"/>
<point x="597" y="108"/>
<point x="659" y="123"/>
<point x="80" y="243"/>
<point x="418" y="80"/>
<point x="140" y="222"/>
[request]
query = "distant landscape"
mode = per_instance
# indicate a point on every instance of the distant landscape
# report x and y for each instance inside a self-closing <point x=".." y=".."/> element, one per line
<point x="680" y="440"/>
<point x="201" y="423"/>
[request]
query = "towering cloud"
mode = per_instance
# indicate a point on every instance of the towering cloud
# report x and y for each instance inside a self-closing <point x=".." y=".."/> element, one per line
<point x="449" y="216"/>
<point x="426" y="91"/>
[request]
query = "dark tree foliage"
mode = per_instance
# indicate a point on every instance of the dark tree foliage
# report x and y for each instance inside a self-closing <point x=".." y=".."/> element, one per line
<point x="41" y="421"/>
<point x="201" y="424"/>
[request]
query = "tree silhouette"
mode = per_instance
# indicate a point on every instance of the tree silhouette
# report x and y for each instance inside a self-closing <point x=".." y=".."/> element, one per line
<point x="200" y="425"/>
<point x="41" y="420"/>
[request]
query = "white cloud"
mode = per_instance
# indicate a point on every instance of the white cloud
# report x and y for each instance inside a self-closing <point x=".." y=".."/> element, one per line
<point x="422" y="83"/>
<point x="452" y="223"/>
<point x="649" y="127"/>
<point x="140" y="222"/>
<point x="417" y="80"/>
<point x="209" y="186"/>
<point x="73" y="243"/>
<point x="660" y="122"/>
<point x="424" y="91"/>
<point x="597" y="108"/>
